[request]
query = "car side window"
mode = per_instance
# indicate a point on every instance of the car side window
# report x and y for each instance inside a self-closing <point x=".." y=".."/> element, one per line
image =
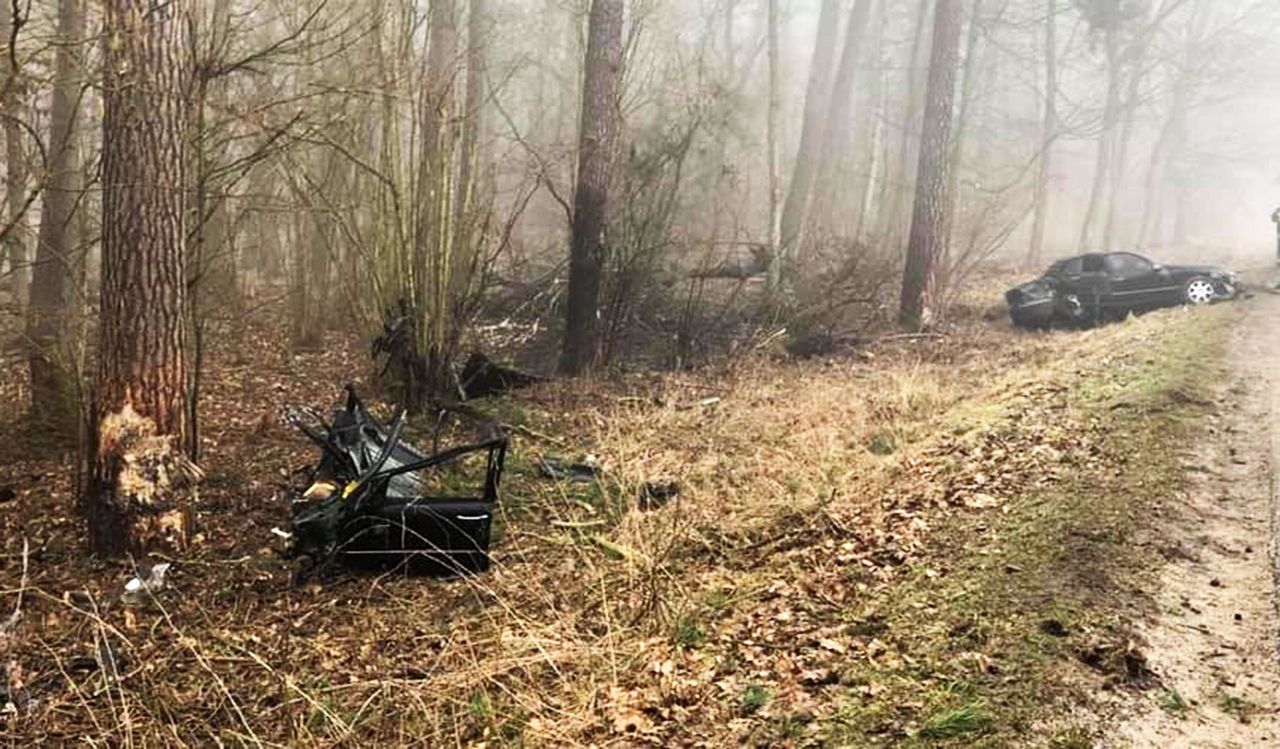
<point x="1128" y="266"/>
<point x="1072" y="267"/>
<point x="1092" y="264"/>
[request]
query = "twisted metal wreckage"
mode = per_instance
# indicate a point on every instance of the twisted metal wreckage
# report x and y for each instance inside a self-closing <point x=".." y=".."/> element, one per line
<point x="369" y="503"/>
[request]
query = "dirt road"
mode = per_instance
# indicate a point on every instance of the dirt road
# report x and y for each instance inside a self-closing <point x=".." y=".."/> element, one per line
<point x="1214" y="640"/>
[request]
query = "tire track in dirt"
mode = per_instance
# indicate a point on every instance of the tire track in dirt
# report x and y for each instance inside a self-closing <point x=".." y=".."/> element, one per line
<point x="1214" y="640"/>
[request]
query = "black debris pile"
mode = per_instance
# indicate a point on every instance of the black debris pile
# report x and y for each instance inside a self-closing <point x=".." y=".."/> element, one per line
<point x="374" y="501"/>
<point x="655" y="494"/>
<point x="482" y="377"/>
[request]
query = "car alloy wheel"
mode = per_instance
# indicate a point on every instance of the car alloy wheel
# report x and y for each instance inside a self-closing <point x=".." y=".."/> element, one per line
<point x="1200" y="291"/>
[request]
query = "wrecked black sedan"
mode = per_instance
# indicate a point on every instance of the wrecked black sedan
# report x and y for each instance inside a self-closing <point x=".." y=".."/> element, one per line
<point x="1096" y="287"/>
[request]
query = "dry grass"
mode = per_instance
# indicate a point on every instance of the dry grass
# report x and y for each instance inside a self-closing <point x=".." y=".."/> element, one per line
<point x="741" y="612"/>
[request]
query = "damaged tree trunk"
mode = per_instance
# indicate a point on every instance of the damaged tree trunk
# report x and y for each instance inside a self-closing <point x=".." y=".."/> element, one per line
<point x="139" y="487"/>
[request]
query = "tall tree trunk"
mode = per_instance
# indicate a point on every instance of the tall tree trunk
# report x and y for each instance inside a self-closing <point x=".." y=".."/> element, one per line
<point x="775" y="181"/>
<point x="1153" y="191"/>
<point x="17" y="173"/>
<point x="473" y="171"/>
<point x="929" y="220"/>
<point x="1105" y="154"/>
<point x="1048" y="133"/>
<point x="963" y="115"/>
<point x="597" y="139"/>
<point x="1168" y="147"/>
<point x="437" y="111"/>
<point x="899" y="187"/>
<point x="54" y="396"/>
<point x="142" y="370"/>
<point x="1136" y="56"/>
<point x="817" y="102"/>
<point x="839" y="125"/>
<point x="434" y="228"/>
<point x="874" y="129"/>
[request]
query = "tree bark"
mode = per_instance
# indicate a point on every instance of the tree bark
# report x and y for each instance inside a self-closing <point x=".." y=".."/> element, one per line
<point x="17" y="172"/>
<point x="839" y="125"/>
<point x="1137" y="57"/>
<point x="597" y="140"/>
<point x="1106" y="137"/>
<point x="474" y="168"/>
<point x="930" y="219"/>
<point x="139" y="415"/>
<point x="54" y="396"/>
<point x="1168" y="147"/>
<point x="1048" y="134"/>
<point x="429" y="372"/>
<point x="775" y="182"/>
<point x="817" y="102"/>
<point x="963" y="115"/>
<point x="476" y="186"/>
<point x="874" y="131"/>
<point x="437" y="141"/>
<point x="899" y="187"/>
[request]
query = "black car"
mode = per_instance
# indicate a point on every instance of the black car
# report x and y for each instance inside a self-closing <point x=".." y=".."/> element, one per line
<point x="1091" y="288"/>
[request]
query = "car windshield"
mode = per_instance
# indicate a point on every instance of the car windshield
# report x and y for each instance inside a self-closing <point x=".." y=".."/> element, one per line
<point x="1069" y="267"/>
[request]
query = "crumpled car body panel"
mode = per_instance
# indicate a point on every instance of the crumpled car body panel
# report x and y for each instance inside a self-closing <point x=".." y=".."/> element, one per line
<point x="1033" y="304"/>
<point x="376" y="511"/>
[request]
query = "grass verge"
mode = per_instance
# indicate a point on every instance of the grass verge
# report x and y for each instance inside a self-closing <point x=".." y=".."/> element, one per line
<point x="1024" y="609"/>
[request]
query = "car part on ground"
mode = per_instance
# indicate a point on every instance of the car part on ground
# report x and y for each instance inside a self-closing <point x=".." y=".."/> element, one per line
<point x="655" y="494"/>
<point x="1089" y="289"/>
<point x="482" y="377"/>
<point x="368" y="502"/>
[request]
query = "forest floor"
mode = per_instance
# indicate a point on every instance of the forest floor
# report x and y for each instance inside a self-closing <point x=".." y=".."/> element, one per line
<point x="983" y="539"/>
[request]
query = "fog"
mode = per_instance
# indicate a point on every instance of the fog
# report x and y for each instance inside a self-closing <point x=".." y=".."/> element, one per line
<point x="1192" y="146"/>
<point x="1161" y="132"/>
<point x="1214" y="194"/>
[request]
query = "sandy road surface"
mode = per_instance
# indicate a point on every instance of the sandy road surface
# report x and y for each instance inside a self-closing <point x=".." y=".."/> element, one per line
<point x="1214" y="641"/>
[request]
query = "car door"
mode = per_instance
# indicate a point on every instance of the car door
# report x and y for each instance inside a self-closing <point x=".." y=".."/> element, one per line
<point x="1136" y="283"/>
<point x="1080" y="282"/>
<point x="1092" y="286"/>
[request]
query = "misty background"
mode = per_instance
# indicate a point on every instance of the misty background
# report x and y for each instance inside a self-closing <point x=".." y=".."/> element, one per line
<point x="1077" y="125"/>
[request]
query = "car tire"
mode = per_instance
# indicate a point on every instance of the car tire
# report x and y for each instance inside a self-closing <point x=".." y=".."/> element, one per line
<point x="1199" y="291"/>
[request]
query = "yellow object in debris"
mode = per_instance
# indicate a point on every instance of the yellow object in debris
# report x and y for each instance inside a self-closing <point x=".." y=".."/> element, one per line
<point x="320" y="490"/>
<point x="350" y="489"/>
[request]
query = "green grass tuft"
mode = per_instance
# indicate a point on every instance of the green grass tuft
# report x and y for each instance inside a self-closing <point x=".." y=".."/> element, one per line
<point x="1171" y="702"/>
<point x="959" y="721"/>
<point x="754" y="697"/>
